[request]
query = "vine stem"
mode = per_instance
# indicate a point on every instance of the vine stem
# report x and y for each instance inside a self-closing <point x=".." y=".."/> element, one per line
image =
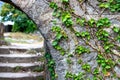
<point x="102" y="12"/>
<point x="113" y="41"/>
<point x="115" y="52"/>
<point x="89" y="44"/>
<point x="96" y="41"/>
<point x="82" y="2"/>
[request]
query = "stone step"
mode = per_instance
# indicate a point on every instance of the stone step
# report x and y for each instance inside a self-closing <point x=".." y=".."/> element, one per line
<point x="22" y="76"/>
<point x="20" y="49"/>
<point x="20" y="58"/>
<point x="21" y="67"/>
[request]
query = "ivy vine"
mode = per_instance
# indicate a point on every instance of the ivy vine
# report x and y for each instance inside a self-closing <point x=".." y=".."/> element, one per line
<point x="59" y="35"/>
<point x="112" y="5"/>
<point x="50" y="65"/>
<point x="95" y="30"/>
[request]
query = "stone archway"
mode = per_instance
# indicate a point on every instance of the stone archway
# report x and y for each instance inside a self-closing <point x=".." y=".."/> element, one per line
<point x="26" y="64"/>
<point x="41" y="14"/>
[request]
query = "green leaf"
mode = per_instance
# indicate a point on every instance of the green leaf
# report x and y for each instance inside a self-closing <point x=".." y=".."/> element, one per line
<point x="85" y="34"/>
<point x="96" y="71"/>
<point x="56" y="29"/>
<point x="103" y="64"/>
<point x="58" y="36"/>
<point x="66" y="19"/>
<point x="86" y="67"/>
<point x="99" y="24"/>
<point x="107" y="67"/>
<point x="103" y="22"/>
<point x="58" y="47"/>
<point x="68" y="23"/>
<point x="91" y="22"/>
<point x="106" y="34"/>
<point x="106" y="47"/>
<point x="53" y="5"/>
<point x="104" y="5"/>
<point x="54" y="43"/>
<point x="111" y="1"/>
<point x="62" y="52"/>
<point x="102" y="35"/>
<point x="81" y="22"/>
<point x="80" y="61"/>
<point x="80" y="50"/>
<point x="118" y="1"/>
<point x="118" y="38"/>
<point x="77" y="34"/>
<point x="116" y="29"/>
<point x="65" y="1"/>
<point x="57" y="13"/>
<point x="65" y="16"/>
<point x="21" y="22"/>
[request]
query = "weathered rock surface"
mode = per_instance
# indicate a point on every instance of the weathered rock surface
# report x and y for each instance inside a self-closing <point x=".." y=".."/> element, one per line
<point x="1" y="30"/>
<point x="39" y="11"/>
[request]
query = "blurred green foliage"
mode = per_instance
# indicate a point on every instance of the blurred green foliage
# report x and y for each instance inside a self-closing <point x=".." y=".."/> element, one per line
<point x="21" y="22"/>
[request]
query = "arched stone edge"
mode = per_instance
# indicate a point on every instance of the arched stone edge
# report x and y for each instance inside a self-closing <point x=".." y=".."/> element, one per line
<point x="46" y="49"/>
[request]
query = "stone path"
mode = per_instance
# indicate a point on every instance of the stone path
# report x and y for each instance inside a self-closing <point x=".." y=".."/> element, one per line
<point x="22" y="62"/>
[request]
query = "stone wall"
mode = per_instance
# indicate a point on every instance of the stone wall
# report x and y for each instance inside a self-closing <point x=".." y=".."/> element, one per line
<point x="1" y="33"/>
<point x="39" y="11"/>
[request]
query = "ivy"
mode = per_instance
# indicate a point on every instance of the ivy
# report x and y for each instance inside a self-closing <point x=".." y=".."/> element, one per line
<point x="69" y="61"/>
<point x="50" y="65"/>
<point x="94" y="28"/>
<point x="96" y="71"/>
<point x="79" y="76"/>
<point x="97" y="78"/>
<point x="54" y="43"/>
<point x="69" y="75"/>
<point x="66" y="19"/>
<point x="116" y="29"/>
<point x="79" y="61"/>
<point x="103" y="22"/>
<point x="85" y="34"/>
<point x="86" y="67"/>
<point x="107" y="47"/>
<point x="70" y="55"/>
<point x="104" y="5"/>
<point x="56" y="29"/>
<point x="102" y="35"/>
<point x="65" y="16"/>
<point x="118" y="38"/>
<point x="112" y="5"/>
<point x="81" y="22"/>
<point x="65" y="1"/>
<point x="77" y="34"/>
<point x="91" y="22"/>
<point x="59" y="35"/>
<point x="106" y="64"/>
<point x="80" y="50"/>
<point x="57" y="13"/>
<point x="53" y="5"/>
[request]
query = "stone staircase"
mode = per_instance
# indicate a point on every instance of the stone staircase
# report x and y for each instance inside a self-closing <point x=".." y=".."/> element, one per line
<point x="22" y="63"/>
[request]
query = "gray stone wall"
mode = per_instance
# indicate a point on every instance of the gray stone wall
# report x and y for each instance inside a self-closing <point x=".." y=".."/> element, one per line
<point x="1" y="31"/>
<point x="39" y="11"/>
